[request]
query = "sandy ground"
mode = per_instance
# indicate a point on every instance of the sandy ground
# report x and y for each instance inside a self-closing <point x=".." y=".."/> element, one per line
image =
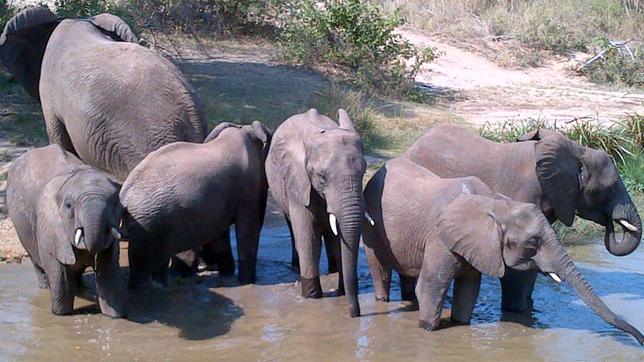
<point x="471" y="86"/>
<point x="486" y="92"/>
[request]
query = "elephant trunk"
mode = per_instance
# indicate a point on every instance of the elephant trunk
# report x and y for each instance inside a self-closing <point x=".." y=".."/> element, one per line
<point x="96" y="227"/>
<point x="555" y="259"/>
<point x="625" y="214"/>
<point x="350" y="224"/>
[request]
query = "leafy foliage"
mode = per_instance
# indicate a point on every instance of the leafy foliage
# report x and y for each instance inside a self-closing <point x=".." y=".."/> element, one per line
<point x="617" y="65"/>
<point x="6" y="12"/>
<point x="354" y="36"/>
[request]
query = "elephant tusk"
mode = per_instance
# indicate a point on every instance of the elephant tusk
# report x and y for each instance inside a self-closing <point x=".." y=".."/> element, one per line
<point x="628" y="225"/>
<point x="555" y="277"/>
<point x="333" y="222"/>
<point x="77" y="237"/>
<point x="115" y="233"/>
<point x="368" y="217"/>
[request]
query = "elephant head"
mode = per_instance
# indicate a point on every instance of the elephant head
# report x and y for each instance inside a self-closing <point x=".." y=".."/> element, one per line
<point x="585" y="181"/>
<point x="87" y="213"/>
<point x="495" y="234"/>
<point x="25" y="37"/>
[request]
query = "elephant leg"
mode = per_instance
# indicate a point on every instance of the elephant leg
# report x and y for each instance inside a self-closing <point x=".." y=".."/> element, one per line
<point x="186" y="263"/>
<point x="139" y="274"/>
<point x="110" y="288"/>
<point x="219" y="252"/>
<point x="160" y="276"/>
<point x="333" y="252"/>
<point x="516" y="290"/>
<point x="57" y="133"/>
<point x="247" y="229"/>
<point x="307" y="244"/>
<point x="331" y="256"/>
<point x="43" y="282"/>
<point x="466" y="290"/>
<point x="62" y="285"/>
<point x="436" y="275"/>
<point x="407" y="288"/>
<point x="380" y="275"/>
<point x="295" y="259"/>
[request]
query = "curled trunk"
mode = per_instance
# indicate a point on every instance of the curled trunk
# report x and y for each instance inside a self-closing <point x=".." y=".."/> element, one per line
<point x="623" y="214"/>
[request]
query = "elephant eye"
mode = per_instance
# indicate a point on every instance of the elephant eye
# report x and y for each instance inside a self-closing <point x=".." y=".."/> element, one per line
<point x="68" y="205"/>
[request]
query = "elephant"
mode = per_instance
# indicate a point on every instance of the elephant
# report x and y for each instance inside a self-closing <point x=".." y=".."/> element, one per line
<point x="66" y="215"/>
<point x="544" y="168"/>
<point x="185" y="195"/>
<point x="440" y="229"/>
<point x="314" y="170"/>
<point x="104" y="98"/>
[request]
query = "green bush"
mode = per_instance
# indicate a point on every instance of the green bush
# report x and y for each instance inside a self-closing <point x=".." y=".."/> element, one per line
<point x="355" y="37"/>
<point x="617" y="66"/>
<point x="6" y="12"/>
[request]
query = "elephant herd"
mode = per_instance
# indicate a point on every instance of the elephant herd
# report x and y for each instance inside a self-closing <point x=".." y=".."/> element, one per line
<point x="130" y="160"/>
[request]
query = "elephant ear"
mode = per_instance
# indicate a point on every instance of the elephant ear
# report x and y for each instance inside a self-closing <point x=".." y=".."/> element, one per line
<point x="23" y="43"/>
<point x="114" y="27"/>
<point x="345" y="120"/>
<point x="468" y="228"/>
<point x="218" y="129"/>
<point x="558" y="170"/>
<point x="264" y="135"/>
<point x="50" y="231"/>
<point x="290" y="164"/>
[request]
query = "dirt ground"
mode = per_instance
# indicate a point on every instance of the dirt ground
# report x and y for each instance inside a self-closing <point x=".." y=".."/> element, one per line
<point x="242" y="81"/>
<point x="487" y="92"/>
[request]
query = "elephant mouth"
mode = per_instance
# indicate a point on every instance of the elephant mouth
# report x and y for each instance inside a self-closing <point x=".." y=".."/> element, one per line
<point x="627" y="229"/>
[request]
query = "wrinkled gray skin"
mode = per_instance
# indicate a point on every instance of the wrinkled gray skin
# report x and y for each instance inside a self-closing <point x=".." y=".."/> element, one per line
<point x="438" y="230"/>
<point x="51" y="195"/>
<point x="546" y="169"/>
<point x="105" y="98"/>
<point x="186" y="195"/>
<point x="314" y="169"/>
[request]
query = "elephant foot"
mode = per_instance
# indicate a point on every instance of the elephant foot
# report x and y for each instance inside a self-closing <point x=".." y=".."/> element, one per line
<point x="428" y="326"/>
<point x="43" y="283"/>
<point x="311" y="288"/>
<point x="516" y="306"/>
<point x="382" y="298"/>
<point x="354" y="311"/>
<point x="246" y="278"/>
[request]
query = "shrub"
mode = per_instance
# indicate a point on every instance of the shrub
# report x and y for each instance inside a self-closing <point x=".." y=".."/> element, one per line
<point x="617" y="66"/>
<point x="6" y="12"/>
<point x="354" y="36"/>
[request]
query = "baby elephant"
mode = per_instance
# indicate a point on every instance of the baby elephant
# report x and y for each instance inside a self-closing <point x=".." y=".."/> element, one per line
<point x="439" y="230"/>
<point x="186" y="195"/>
<point x="66" y="216"/>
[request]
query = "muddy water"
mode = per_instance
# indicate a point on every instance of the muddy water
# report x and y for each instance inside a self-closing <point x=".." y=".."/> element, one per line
<point x="209" y="317"/>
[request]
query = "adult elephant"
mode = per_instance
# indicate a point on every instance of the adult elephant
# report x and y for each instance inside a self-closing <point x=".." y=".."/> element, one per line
<point x="454" y="229"/>
<point x="545" y="168"/>
<point x="314" y="170"/>
<point x="104" y="97"/>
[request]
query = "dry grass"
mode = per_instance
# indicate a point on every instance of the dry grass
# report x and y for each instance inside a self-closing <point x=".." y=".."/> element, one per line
<point x="517" y="32"/>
